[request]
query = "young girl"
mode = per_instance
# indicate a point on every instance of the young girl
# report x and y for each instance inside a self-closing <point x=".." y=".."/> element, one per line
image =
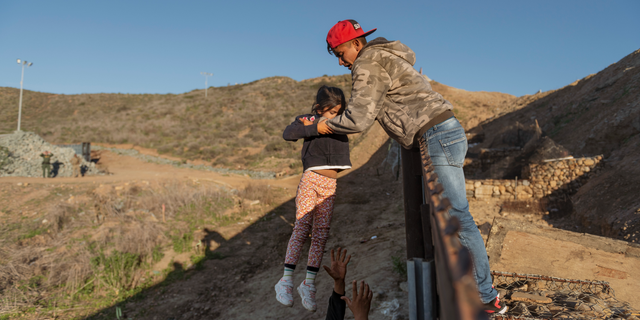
<point x="322" y="158"/>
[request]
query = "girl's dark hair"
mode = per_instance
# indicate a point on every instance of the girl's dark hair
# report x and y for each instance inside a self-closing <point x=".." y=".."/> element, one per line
<point x="329" y="97"/>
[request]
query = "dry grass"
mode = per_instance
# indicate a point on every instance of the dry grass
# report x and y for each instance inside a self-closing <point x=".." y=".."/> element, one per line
<point x="258" y="192"/>
<point x="185" y="125"/>
<point x="104" y="246"/>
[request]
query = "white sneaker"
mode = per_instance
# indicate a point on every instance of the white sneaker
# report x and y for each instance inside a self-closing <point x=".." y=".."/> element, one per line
<point x="284" y="292"/>
<point x="308" y="294"/>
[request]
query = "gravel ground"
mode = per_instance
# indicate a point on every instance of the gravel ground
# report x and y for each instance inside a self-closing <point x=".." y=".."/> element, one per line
<point x="177" y="164"/>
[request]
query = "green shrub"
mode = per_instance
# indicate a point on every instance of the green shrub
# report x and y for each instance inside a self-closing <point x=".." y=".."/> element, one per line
<point x="182" y="243"/>
<point x="399" y="266"/>
<point x="116" y="270"/>
<point x="157" y="254"/>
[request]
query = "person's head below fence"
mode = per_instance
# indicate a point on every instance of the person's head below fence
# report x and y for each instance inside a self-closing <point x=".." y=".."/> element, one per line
<point x="345" y="40"/>
<point x="330" y="102"/>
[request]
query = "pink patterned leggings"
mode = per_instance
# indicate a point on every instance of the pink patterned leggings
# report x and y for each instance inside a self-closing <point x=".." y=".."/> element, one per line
<point x="314" y="208"/>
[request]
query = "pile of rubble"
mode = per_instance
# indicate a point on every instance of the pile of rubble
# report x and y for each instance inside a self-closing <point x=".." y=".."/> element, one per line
<point x="22" y="152"/>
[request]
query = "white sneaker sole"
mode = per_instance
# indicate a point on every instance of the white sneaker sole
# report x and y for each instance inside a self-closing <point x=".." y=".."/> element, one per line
<point x="504" y="310"/>
<point x="284" y="302"/>
<point x="303" y="304"/>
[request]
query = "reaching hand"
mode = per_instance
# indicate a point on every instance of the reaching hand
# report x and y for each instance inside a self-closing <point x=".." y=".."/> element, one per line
<point x="361" y="302"/>
<point x="339" y="263"/>
<point x="323" y="128"/>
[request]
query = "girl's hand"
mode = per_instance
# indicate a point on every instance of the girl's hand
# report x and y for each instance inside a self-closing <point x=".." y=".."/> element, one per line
<point x="307" y="121"/>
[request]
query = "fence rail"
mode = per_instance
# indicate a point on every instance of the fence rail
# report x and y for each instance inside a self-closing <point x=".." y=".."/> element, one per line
<point x="432" y="236"/>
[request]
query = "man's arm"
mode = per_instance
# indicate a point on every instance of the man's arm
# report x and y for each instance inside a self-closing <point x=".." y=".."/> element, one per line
<point x="370" y="85"/>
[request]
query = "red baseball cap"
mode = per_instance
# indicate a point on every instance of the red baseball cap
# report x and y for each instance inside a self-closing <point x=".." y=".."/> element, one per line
<point x="344" y="31"/>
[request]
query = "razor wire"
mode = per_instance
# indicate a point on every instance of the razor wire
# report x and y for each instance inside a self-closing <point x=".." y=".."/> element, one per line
<point x="537" y="297"/>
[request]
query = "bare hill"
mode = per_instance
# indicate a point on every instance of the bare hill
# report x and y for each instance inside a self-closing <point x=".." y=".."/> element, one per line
<point x="238" y="126"/>
<point x="218" y="258"/>
<point x="599" y="114"/>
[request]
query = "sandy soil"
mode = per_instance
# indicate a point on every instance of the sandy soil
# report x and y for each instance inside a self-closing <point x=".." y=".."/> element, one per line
<point x="368" y="221"/>
<point x="239" y="285"/>
<point x="124" y="168"/>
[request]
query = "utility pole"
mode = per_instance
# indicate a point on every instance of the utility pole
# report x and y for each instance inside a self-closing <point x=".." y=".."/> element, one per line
<point x="28" y="64"/>
<point x="206" y="87"/>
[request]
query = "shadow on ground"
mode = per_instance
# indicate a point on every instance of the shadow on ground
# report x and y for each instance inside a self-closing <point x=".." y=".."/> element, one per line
<point x="237" y="280"/>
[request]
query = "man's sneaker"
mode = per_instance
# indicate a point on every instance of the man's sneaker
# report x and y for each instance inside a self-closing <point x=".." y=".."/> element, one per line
<point x="284" y="292"/>
<point x="308" y="294"/>
<point x="496" y="306"/>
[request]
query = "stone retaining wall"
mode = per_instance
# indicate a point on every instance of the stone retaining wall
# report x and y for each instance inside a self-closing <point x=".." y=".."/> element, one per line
<point x="550" y="177"/>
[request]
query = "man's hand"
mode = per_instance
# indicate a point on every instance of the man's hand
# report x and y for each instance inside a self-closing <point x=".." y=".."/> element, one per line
<point x="338" y="269"/>
<point x="361" y="302"/>
<point x="323" y="128"/>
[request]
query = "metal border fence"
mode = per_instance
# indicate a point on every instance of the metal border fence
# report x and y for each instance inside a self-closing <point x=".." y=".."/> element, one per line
<point x="434" y="252"/>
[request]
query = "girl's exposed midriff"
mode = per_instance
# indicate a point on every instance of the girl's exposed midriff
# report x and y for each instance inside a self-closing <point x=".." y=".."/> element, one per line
<point x="330" y="173"/>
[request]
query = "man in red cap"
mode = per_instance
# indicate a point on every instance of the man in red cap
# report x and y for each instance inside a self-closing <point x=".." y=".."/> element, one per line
<point x="388" y="89"/>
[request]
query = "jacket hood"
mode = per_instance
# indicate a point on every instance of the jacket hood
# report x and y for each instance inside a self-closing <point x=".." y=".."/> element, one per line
<point x="394" y="47"/>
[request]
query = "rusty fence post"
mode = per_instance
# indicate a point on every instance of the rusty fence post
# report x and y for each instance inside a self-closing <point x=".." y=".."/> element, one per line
<point x="419" y="242"/>
<point x="420" y="252"/>
<point x="457" y="295"/>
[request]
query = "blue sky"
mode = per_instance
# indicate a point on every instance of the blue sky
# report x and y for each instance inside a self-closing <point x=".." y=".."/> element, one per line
<point x="515" y="47"/>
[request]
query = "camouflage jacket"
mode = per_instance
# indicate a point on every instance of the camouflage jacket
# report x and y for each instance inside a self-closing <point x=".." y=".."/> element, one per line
<point x="386" y="88"/>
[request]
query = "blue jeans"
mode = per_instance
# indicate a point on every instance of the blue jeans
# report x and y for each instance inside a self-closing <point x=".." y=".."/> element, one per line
<point x="447" y="145"/>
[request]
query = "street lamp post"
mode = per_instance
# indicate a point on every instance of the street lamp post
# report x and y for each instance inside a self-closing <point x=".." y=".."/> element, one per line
<point x="28" y="64"/>
<point x="206" y="87"/>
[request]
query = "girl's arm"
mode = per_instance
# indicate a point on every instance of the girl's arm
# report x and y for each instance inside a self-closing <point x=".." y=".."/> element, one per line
<point x="297" y="130"/>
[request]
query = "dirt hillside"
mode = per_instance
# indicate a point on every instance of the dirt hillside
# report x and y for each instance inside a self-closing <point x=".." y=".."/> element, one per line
<point x="238" y="127"/>
<point x="66" y="223"/>
<point x="599" y="114"/>
<point x="219" y="251"/>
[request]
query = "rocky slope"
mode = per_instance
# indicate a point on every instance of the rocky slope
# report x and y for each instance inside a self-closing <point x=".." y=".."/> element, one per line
<point x="599" y="114"/>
